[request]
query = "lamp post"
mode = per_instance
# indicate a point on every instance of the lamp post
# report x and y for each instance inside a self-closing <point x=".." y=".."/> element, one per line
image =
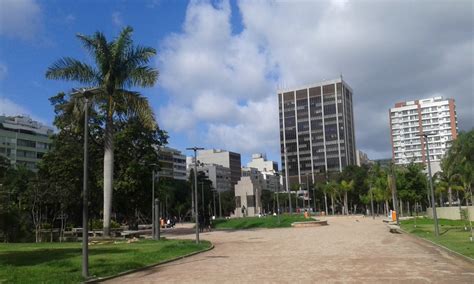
<point x="433" y="204"/>
<point x="85" y="209"/>
<point x="278" y="201"/>
<point x="87" y="94"/>
<point x="286" y="181"/>
<point x="195" y="149"/>
<point x="155" y="215"/>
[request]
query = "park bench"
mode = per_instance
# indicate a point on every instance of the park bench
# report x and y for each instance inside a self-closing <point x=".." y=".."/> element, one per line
<point x="393" y="228"/>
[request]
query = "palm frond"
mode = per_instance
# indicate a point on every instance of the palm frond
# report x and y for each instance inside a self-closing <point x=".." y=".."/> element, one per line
<point x="143" y="76"/>
<point x="122" y="44"/>
<point x="99" y="48"/>
<point x="135" y="105"/>
<point x="73" y="70"/>
<point x="139" y="55"/>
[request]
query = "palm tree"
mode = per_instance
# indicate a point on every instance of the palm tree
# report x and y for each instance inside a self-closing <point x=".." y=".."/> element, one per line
<point x="345" y="187"/>
<point x="331" y="188"/>
<point x="119" y="65"/>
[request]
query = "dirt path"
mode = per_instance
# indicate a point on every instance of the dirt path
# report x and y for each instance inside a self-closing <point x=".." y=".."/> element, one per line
<point x="350" y="249"/>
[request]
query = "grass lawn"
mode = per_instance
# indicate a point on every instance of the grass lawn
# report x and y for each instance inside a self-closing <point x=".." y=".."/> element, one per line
<point x="256" y="222"/>
<point x="61" y="262"/>
<point x="452" y="234"/>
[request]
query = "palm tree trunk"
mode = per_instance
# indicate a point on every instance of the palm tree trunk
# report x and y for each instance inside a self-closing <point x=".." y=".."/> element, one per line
<point x="450" y="196"/>
<point x="332" y="204"/>
<point x="108" y="174"/>
<point x="326" y="203"/>
<point x="346" y="210"/>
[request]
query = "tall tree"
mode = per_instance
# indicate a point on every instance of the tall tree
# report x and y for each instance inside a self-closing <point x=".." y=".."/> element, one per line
<point x="345" y="187"/>
<point x="119" y="64"/>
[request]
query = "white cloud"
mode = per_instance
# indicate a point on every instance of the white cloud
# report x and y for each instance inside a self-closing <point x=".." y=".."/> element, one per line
<point x="117" y="19"/>
<point x="387" y="51"/>
<point x="20" y="18"/>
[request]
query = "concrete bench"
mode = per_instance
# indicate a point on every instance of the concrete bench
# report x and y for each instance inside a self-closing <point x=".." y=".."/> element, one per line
<point x="393" y="228"/>
<point x="315" y="223"/>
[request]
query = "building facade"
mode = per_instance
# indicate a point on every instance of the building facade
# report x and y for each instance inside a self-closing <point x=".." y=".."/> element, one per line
<point x="248" y="196"/>
<point x="219" y="176"/>
<point x="316" y="130"/>
<point x="172" y="163"/>
<point x="435" y="117"/>
<point x="24" y="141"/>
<point x="224" y="158"/>
<point x="362" y="158"/>
<point x="268" y="169"/>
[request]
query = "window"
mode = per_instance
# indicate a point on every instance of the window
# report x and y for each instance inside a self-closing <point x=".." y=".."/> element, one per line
<point x="26" y="143"/>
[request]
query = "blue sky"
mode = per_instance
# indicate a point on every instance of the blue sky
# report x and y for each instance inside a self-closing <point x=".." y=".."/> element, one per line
<point x="221" y="62"/>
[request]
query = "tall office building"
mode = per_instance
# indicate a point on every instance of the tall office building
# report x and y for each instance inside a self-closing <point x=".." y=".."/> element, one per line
<point x="24" y="141"/>
<point x="316" y="130"/>
<point x="224" y="158"/>
<point x="434" y="116"/>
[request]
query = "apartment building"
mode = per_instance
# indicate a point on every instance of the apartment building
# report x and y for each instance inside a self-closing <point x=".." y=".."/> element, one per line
<point x="24" y="141"/>
<point x="435" y="117"/>
<point x="172" y="163"/>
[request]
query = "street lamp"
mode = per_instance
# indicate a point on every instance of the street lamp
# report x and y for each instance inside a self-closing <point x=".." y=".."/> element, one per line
<point x="278" y="200"/>
<point x="435" y="216"/>
<point x="155" y="216"/>
<point x="195" y="149"/>
<point x="87" y="94"/>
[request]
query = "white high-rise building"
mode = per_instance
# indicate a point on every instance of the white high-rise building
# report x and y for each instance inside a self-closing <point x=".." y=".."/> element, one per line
<point x="435" y="117"/>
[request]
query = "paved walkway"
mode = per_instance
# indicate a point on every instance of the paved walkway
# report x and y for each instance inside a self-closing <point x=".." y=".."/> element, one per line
<point x="350" y="249"/>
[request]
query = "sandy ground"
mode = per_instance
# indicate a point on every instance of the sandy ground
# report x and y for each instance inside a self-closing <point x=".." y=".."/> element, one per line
<point x="350" y="249"/>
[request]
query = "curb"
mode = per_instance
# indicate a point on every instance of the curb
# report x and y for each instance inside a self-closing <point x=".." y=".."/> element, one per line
<point x="100" y="279"/>
<point x="448" y="250"/>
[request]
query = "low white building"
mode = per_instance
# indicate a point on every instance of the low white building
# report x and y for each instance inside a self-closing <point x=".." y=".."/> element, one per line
<point x="268" y="170"/>
<point x="219" y="176"/>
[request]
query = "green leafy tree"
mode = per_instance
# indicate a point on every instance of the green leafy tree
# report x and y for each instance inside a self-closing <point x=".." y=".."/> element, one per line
<point x="119" y="64"/>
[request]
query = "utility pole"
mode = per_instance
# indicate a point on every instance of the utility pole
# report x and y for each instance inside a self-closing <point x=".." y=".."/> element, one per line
<point x="195" y="149"/>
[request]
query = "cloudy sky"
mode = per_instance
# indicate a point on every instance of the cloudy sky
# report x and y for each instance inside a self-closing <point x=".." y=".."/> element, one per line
<point x="221" y="62"/>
